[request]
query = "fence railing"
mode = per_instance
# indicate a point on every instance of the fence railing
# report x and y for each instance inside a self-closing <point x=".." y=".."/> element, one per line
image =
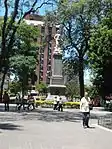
<point x="105" y="121"/>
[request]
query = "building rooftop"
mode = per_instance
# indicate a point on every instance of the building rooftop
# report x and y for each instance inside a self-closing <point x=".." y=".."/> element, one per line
<point x="34" y="22"/>
<point x="35" y="19"/>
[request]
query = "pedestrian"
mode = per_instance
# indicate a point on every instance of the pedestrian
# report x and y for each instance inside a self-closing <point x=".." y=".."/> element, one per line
<point x="58" y="99"/>
<point x="22" y="102"/>
<point x="84" y="108"/>
<point x="18" y="101"/>
<point x="55" y="103"/>
<point x="31" y="101"/>
<point x="60" y="107"/>
<point x="6" y="100"/>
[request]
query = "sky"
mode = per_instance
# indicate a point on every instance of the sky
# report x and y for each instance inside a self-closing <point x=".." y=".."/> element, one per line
<point x="42" y="10"/>
<point x="1" y="12"/>
<point x="87" y="77"/>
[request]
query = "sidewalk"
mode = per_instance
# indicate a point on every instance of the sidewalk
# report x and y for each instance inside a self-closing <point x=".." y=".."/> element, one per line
<point x="41" y="132"/>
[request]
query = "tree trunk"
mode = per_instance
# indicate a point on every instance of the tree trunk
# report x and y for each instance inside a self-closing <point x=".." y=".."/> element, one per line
<point x="24" y="83"/>
<point x="81" y="76"/>
<point x="23" y="90"/>
<point x="2" y="83"/>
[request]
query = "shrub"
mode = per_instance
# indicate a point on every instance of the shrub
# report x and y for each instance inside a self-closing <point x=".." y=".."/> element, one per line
<point x="75" y="105"/>
<point x="49" y="104"/>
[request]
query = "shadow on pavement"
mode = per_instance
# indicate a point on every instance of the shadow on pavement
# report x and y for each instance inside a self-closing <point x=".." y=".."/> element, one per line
<point x="56" y="116"/>
<point x="47" y="115"/>
<point x="9" y="126"/>
<point x="91" y="127"/>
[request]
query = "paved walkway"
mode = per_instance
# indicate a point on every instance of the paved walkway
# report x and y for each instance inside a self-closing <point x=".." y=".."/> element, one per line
<point x="46" y="129"/>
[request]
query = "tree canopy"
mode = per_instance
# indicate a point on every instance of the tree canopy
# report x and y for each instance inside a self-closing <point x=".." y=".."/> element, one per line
<point x="24" y="61"/>
<point x="42" y="87"/>
<point x="100" y="53"/>
<point x="76" y="24"/>
<point x="15" y="12"/>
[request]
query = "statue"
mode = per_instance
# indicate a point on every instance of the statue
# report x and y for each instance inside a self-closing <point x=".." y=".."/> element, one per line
<point x="57" y="48"/>
<point x="56" y="37"/>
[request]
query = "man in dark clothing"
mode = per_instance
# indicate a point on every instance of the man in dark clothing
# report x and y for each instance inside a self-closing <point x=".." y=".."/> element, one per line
<point x="6" y="101"/>
<point x="60" y="105"/>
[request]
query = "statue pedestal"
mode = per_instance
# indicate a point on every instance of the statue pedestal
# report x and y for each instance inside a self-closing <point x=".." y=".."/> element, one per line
<point x="55" y="90"/>
<point x="56" y="86"/>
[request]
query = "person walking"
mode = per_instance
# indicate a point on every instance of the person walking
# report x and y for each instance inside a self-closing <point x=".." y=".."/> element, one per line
<point x="60" y="108"/>
<point x="31" y="102"/>
<point x="84" y="108"/>
<point x="55" y="103"/>
<point x="6" y="100"/>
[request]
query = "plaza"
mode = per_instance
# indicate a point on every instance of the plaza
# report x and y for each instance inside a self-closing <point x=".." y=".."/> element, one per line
<point x="48" y="129"/>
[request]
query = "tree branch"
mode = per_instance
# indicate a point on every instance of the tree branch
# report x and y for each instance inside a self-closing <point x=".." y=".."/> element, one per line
<point x="70" y="37"/>
<point x="14" y="15"/>
<point x="16" y="27"/>
<point x="44" y="3"/>
<point x="25" y="14"/>
<point x="34" y="10"/>
<point x="30" y="10"/>
<point x="5" y="23"/>
<point x="3" y="44"/>
<point x="86" y="37"/>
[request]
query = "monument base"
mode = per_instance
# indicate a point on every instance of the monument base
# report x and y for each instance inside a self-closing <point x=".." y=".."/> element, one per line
<point x="56" y="90"/>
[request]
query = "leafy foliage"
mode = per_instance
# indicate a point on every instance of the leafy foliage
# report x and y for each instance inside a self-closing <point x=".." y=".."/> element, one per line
<point x="72" y="88"/>
<point x="70" y="68"/>
<point x="21" y="63"/>
<point x="92" y="91"/>
<point x="15" y="87"/>
<point x="101" y="50"/>
<point x="15" y="12"/>
<point x="42" y="87"/>
<point x="24" y="61"/>
<point x="76" y="25"/>
<point x="81" y="20"/>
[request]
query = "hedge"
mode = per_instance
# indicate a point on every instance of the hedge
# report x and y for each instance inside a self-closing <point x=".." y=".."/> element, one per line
<point x="49" y="104"/>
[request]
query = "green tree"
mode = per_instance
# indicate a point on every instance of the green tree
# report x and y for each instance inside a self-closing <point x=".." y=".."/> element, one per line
<point x="24" y="61"/>
<point x="76" y="27"/>
<point x="42" y="87"/>
<point x="92" y="90"/>
<point x="17" y="10"/>
<point x="15" y="87"/>
<point x="78" y="18"/>
<point x="23" y="67"/>
<point x="72" y="89"/>
<point x="70" y="68"/>
<point x="100" y="53"/>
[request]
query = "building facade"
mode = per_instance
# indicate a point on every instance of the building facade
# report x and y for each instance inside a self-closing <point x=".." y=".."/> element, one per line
<point x="46" y="48"/>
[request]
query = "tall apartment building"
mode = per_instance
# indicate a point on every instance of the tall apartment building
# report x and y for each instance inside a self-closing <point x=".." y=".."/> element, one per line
<point x="47" y="44"/>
